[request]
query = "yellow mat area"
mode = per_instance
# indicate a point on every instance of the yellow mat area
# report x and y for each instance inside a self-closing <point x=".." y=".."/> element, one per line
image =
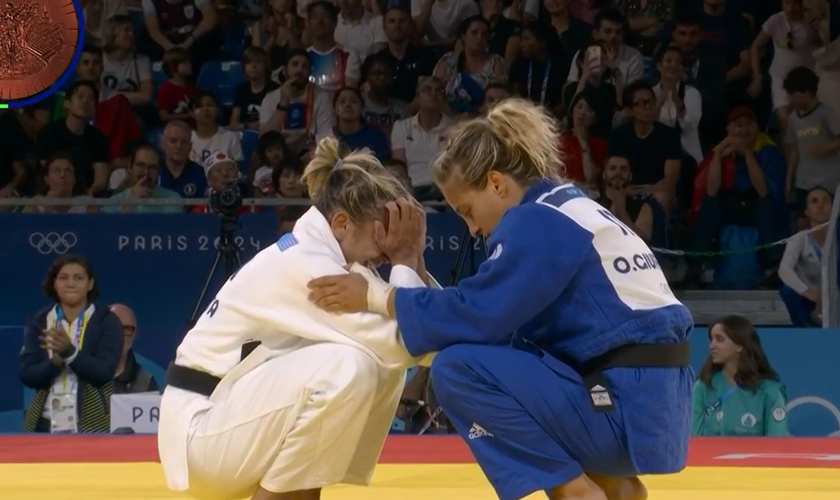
<point x="144" y="481"/>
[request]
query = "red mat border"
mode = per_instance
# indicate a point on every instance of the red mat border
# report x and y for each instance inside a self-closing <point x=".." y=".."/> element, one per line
<point x="704" y="452"/>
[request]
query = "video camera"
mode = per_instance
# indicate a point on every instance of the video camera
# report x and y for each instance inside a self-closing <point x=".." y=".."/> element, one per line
<point x="228" y="200"/>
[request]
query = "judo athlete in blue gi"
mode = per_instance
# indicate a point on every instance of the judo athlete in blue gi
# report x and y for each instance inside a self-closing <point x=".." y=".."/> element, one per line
<point x="563" y="362"/>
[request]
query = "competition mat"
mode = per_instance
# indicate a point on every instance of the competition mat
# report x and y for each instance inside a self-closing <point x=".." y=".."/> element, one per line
<point x="418" y="468"/>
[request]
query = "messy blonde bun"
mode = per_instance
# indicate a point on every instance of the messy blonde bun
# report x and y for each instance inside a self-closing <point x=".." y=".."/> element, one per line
<point x="516" y="138"/>
<point x="354" y="182"/>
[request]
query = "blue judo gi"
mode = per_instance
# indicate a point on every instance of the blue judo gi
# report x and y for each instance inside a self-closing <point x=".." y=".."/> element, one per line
<point x="565" y="280"/>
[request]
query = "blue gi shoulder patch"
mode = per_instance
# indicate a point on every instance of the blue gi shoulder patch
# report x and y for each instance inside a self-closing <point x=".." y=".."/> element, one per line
<point x="286" y="242"/>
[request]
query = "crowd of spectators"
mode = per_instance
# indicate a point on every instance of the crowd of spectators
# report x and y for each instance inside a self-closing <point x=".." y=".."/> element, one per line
<point x="704" y="125"/>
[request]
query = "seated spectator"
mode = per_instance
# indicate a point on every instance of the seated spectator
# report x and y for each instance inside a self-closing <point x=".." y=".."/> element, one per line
<point x="301" y="111"/>
<point x="332" y="66"/>
<point x="583" y="153"/>
<point x="645" y="20"/>
<point x="440" y="23"/>
<point x="468" y="72"/>
<point x="494" y="94"/>
<point x="142" y="181"/>
<point x="130" y="377"/>
<point x="410" y="61"/>
<point x="504" y="36"/>
<point x="680" y="105"/>
<point x="586" y="10"/>
<point x="801" y="266"/>
<point x="191" y="24"/>
<point x="416" y="141"/>
<point x="535" y="74"/>
<point x="222" y="173"/>
<point x="381" y="110"/>
<point x="277" y="31"/>
<point x="208" y="136"/>
<point x="175" y="95"/>
<point x="351" y="131"/>
<point x="608" y="32"/>
<point x="358" y="29"/>
<point x="86" y="146"/>
<point x="642" y="215"/>
<point x="827" y="56"/>
<point x="59" y="181"/>
<point x="602" y="91"/>
<point x="652" y="148"/>
<point x="14" y="149"/>
<point x="737" y="392"/>
<point x="568" y="32"/>
<point x="180" y="174"/>
<point x="125" y="70"/>
<point x="251" y="92"/>
<point x="274" y="156"/>
<point x="812" y="139"/>
<point x="70" y="354"/>
<point x="286" y="181"/>
<point x="739" y="184"/>
<point x="96" y="15"/>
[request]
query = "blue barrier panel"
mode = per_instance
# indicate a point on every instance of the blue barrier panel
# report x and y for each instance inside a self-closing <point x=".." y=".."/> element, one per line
<point x="157" y="264"/>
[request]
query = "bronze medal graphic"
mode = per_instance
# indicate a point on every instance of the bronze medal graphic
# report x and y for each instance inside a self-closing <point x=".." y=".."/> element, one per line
<point x="37" y="41"/>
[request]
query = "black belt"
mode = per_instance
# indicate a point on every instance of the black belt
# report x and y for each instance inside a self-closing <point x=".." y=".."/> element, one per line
<point x="197" y="381"/>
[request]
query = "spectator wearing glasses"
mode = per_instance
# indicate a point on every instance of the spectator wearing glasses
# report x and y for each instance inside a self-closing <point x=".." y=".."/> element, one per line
<point x="130" y="377"/>
<point x="141" y="183"/>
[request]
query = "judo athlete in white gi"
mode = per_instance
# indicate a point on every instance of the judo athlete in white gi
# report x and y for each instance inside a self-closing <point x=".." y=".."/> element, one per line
<point x="563" y="362"/>
<point x="270" y="397"/>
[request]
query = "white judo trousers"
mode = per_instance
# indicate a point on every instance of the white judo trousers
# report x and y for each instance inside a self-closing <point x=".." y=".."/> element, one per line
<point x="310" y="407"/>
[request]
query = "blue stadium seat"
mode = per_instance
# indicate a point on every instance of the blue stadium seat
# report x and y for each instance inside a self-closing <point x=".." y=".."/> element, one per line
<point x="249" y="139"/>
<point x="221" y="78"/>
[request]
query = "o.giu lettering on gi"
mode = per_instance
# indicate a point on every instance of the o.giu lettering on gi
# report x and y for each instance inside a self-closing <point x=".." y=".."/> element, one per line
<point x="636" y="262"/>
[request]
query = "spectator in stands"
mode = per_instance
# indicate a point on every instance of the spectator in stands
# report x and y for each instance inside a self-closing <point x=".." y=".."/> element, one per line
<point x="14" y="148"/>
<point x="568" y="33"/>
<point x="91" y="68"/>
<point x="608" y="31"/>
<point x="175" y="95"/>
<point x="645" y="20"/>
<point x="740" y="184"/>
<point x="537" y="74"/>
<point x="274" y="155"/>
<point x="794" y="40"/>
<point x="223" y="173"/>
<point x="208" y="136"/>
<point x="300" y="110"/>
<point x="351" y="131"/>
<point x="189" y="24"/>
<point x="583" y="152"/>
<point x="180" y="174"/>
<point x="250" y="93"/>
<point x="359" y="29"/>
<point x="812" y="139"/>
<point x="586" y="10"/>
<point x="287" y="184"/>
<point x="331" y="65"/>
<point x="409" y="61"/>
<point x="494" y="94"/>
<point x="130" y="377"/>
<point x="603" y="92"/>
<point x="642" y="215"/>
<point x="801" y="266"/>
<point x="737" y="392"/>
<point x="827" y="56"/>
<point x="468" y="72"/>
<point x="86" y="146"/>
<point x="142" y="182"/>
<point x="440" y="23"/>
<point x="416" y="141"/>
<point x="278" y="30"/>
<point x="97" y="12"/>
<point x="653" y="149"/>
<point x="380" y="110"/>
<point x="57" y="363"/>
<point x="124" y="70"/>
<point x="705" y="70"/>
<point x="503" y="39"/>
<point x="680" y="106"/>
<point x="58" y="181"/>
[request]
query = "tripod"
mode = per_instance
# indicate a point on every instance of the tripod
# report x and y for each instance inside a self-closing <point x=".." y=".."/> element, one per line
<point x="467" y="249"/>
<point x="228" y="252"/>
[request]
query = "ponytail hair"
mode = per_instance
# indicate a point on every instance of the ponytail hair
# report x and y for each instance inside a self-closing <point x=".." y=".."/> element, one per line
<point x="354" y="182"/>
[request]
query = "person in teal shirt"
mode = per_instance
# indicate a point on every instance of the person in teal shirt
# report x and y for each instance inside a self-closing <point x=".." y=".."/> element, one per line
<point x="142" y="175"/>
<point x="737" y="392"/>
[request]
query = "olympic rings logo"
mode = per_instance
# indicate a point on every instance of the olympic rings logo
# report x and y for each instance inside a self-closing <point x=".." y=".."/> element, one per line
<point x="50" y="243"/>
<point x="822" y="403"/>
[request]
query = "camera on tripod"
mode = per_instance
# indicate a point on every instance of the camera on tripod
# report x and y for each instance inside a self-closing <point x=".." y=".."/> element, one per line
<point x="228" y="199"/>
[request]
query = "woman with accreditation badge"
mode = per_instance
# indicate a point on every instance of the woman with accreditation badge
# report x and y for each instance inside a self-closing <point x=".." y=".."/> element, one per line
<point x="70" y="354"/>
<point x="563" y="362"/>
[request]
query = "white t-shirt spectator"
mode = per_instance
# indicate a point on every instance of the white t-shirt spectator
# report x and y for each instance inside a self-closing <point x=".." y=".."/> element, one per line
<point x="688" y="121"/>
<point x="630" y="63"/>
<point x="446" y="17"/>
<point x="360" y="36"/>
<point x="127" y="74"/>
<point x="781" y="33"/>
<point x="225" y="141"/>
<point x="420" y="146"/>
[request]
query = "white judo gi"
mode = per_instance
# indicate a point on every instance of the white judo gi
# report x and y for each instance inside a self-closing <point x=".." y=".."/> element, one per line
<point x="310" y="407"/>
